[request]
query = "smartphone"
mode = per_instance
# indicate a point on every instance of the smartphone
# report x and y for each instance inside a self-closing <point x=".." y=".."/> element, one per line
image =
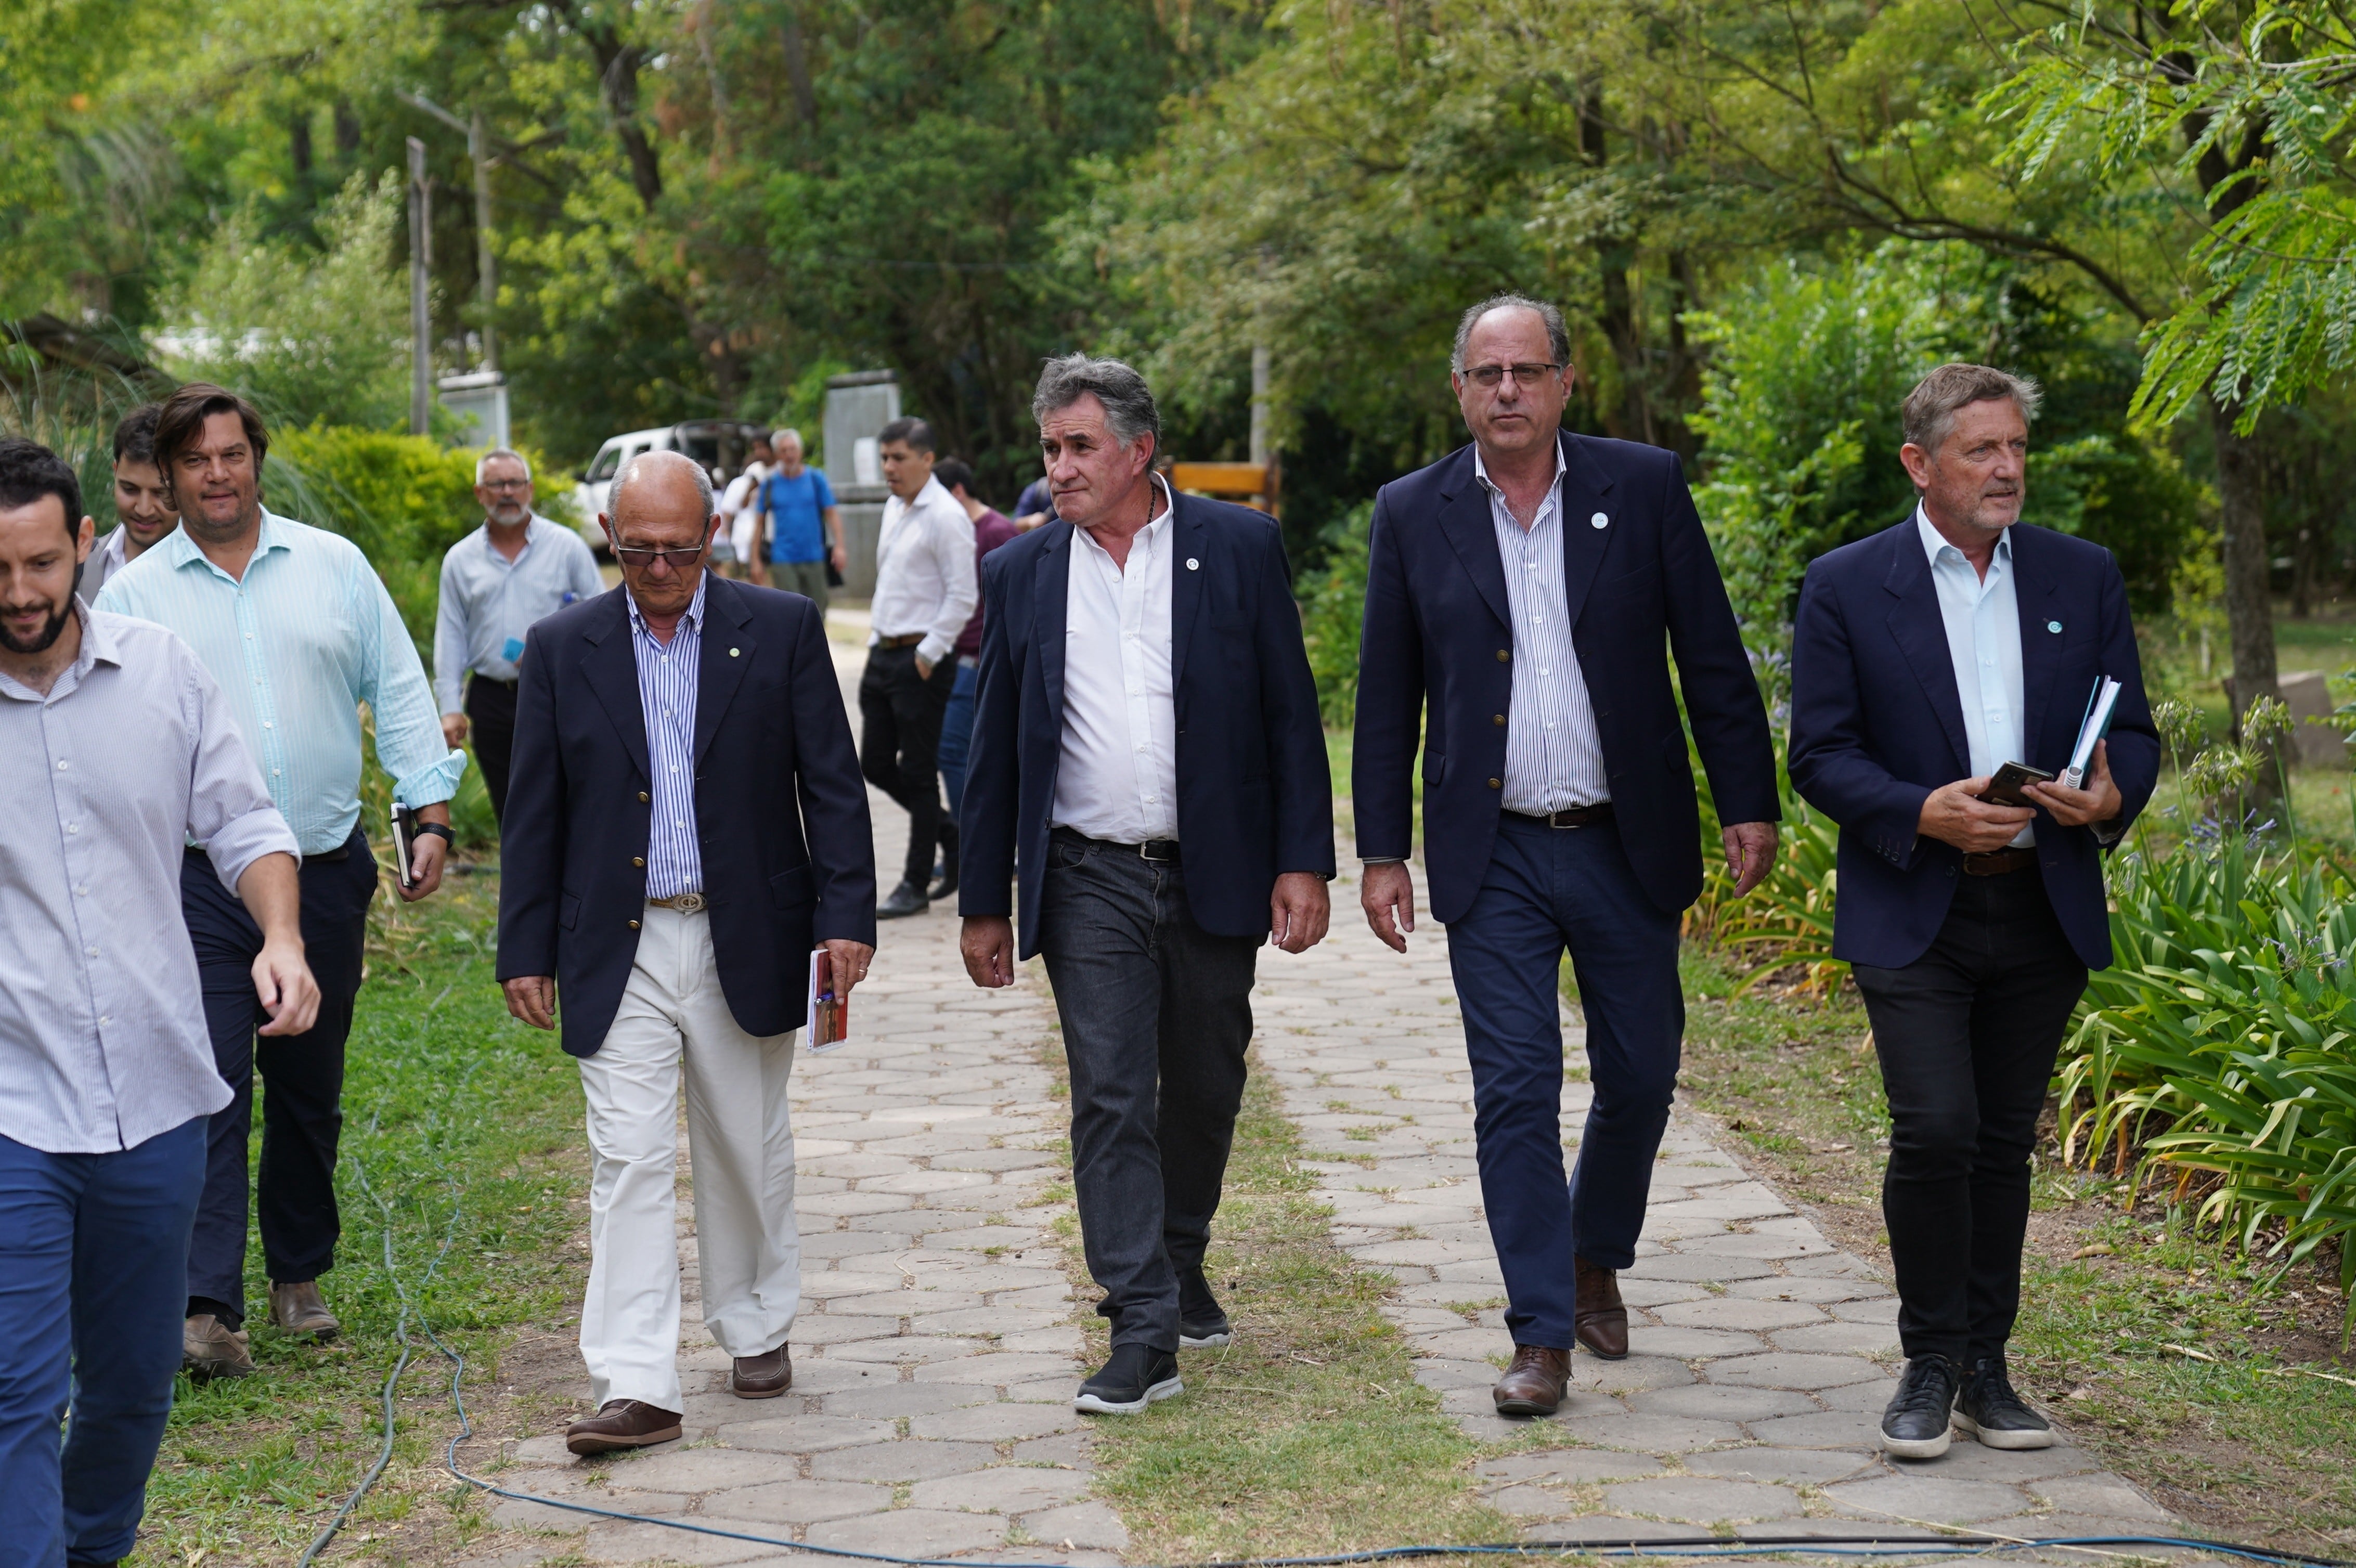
<point x="2004" y="787"/>
<point x="404" y="844"/>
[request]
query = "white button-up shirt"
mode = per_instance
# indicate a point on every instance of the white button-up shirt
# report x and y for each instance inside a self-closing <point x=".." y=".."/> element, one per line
<point x="1983" y="622"/>
<point x="131" y="753"/>
<point x="489" y="602"/>
<point x="1118" y="778"/>
<point x="925" y="581"/>
<point x="1554" y="757"/>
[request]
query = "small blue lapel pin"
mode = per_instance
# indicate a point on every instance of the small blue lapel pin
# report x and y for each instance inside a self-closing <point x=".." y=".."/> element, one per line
<point x="2053" y="626"/>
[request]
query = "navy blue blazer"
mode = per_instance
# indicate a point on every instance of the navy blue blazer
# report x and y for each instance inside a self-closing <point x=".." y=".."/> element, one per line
<point x="1876" y="725"/>
<point x="1255" y="795"/>
<point x="780" y="809"/>
<point x="1438" y="633"/>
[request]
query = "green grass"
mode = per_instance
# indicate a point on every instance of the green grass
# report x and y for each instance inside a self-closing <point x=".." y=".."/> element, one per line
<point x="2240" y="1446"/>
<point x="466" y="1126"/>
<point x="1310" y="1432"/>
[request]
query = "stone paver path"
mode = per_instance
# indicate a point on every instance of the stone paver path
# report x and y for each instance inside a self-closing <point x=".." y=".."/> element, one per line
<point x="1762" y="1355"/>
<point x="935" y="1356"/>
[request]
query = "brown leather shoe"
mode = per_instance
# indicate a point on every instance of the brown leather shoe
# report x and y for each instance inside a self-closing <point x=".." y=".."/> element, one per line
<point x="763" y="1377"/>
<point x="210" y="1349"/>
<point x="1600" y="1319"/>
<point x="297" y="1309"/>
<point x="1534" y="1384"/>
<point x="622" y="1424"/>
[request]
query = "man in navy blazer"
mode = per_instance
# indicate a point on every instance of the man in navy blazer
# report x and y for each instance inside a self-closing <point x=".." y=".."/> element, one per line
<point x="1147" y="750"/>
<point x="686" y="823"/>
<point x="1923" y="660"/>
<point x="1522" y="597"/>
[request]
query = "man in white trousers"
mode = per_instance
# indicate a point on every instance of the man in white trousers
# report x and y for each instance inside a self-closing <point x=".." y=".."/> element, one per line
<point x="686" y="823"/>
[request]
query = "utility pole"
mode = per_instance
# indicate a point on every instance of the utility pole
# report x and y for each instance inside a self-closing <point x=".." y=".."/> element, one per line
<point x="421" y="259"/>
<point x="487" y="266"/>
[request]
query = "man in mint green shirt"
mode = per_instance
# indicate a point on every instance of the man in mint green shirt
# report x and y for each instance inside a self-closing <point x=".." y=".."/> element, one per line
<point x="297" y="628"/>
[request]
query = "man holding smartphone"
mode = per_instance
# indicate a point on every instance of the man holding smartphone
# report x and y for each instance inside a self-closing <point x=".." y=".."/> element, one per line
<point x="1959" y="641"/>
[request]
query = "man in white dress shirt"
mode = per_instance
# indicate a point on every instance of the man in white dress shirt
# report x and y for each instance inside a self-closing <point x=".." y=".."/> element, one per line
<point x="1146" y="747"/>
<point x="926" y="589"/>
<point x="116" y="748"/>
<point x="515" y="569"/>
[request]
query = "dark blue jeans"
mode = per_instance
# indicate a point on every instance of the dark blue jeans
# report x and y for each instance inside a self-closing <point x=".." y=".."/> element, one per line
<point x="301" y="1108"/>
<point x="1547" y="889"/>
<point x="957" y="735"/>
<point x="94" y="1276"/>
<point x="1157" y="1017"/>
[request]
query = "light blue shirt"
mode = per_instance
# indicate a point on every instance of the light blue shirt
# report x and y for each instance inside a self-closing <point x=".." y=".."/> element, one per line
<point x="1554" y="755"/>
<point x="127" y="757"/>
<point x="297" y="647"/>
<point x="669" y="676"/>
<point x="1983" y="621"/>
<point x="489" y="602"/>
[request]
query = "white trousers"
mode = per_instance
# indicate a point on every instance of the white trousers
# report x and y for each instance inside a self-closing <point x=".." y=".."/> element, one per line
<point x="740" y="1140"/>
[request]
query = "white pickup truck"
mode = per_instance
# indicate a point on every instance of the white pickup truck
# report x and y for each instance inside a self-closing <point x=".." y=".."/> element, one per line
<point x="719" y="445"/>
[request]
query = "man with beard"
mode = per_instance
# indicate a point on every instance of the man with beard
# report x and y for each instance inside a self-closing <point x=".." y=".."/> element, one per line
<point x="116" y="748"/>
<point x="143" y="501"/>
<point x="298" y="629"/>
<point x="496" y="582"/>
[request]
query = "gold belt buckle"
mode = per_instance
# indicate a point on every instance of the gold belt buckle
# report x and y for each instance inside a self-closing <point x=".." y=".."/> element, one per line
<point x="685" y="903"/>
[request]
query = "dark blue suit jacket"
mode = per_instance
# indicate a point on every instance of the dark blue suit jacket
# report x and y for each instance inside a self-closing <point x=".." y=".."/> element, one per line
<point x="1438" y="628"/>
<point x="1876" y="725"/>
<point x="780" y="809"/>
<point x="1255" y="796"/>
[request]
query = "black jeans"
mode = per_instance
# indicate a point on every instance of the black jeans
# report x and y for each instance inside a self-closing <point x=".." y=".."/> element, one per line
<point x="490" y="723"/>
<point x="1157" y="1015"/>
<point x="900" y="741"/>
<point x="301" y="1108"/>
<point x="1967" y="1034"/>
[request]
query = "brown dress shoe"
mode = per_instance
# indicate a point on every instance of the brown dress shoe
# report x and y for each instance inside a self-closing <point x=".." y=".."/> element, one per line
<point x="1534" y="1384"/>
<point x="1600" y="1319"/>
<point x="296" y="1309"/>
<point x="622" y="1424"/>
<point x="210" y="1349"/>
<point x="762" y="1377"/>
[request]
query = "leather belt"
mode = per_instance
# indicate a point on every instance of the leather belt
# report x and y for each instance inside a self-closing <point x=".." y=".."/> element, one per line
<point x="900" y="641"/>
<point x="493" y="680"/>
<point x="685" y="903"/>
<point x="1570" y="817"/>
<point x="1999" y="861"/>
<point x="1162" y="851"/>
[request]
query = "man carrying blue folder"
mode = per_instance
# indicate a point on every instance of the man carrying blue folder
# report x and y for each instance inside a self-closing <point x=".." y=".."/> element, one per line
<point x="1928" y="662"/>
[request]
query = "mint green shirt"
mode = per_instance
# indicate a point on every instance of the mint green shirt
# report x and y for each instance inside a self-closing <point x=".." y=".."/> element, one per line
<point x="297" y="647"/>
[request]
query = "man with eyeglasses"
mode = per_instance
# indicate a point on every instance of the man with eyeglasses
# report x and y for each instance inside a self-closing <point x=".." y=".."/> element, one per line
<point x="687" y="824"/>
<point x="1527" y="592"/>
<point x="496" y="583"/>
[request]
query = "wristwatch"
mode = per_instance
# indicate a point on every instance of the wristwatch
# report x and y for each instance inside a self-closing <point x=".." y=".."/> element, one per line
<point x="439" y="831"/>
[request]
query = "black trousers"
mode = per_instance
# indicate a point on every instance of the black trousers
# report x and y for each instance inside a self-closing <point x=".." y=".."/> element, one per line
<point x="302" y="1110"/>
<point x="900" y="742"/>
<point x="1157" y="1015"/>
<point x="1967" y="1035"/>
<point x="491" y="721"/>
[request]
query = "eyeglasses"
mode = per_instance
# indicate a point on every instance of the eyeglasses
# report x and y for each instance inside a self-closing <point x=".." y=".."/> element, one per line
<point x="680" y="560"/>
<point x="1490" y="375"/>
<point x="507" y="484"/>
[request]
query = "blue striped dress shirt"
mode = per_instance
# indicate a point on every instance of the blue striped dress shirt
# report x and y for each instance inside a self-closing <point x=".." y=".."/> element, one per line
<point x="297" y="645"/>
<point x="1554" y="756"/>
<point x="669" y="674"/>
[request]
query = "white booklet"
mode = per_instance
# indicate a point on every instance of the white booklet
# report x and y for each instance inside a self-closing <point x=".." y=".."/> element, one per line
<point x="2100" y="702"/>
<point x="829" y="1022"/>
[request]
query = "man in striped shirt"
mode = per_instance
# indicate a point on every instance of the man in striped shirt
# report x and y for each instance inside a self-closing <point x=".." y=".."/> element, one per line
<point x="686" y="823"/>
<point x="298" y="629"/>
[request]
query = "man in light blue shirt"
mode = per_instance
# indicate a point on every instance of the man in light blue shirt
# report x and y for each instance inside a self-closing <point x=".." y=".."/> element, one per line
<point x="495" y="581"/>
<point x="299" y="632"/>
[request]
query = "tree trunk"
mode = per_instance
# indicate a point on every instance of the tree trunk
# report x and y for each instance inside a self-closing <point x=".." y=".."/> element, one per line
<point x="2249" y="604"/>
<point x="798" y="72"/>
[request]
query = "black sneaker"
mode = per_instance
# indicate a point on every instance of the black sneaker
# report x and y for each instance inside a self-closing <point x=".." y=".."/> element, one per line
<point x="1135" y="1377"/>
<point x="1987" y="1409"/>
<point x="1915" y="1425"/>
<point x="906" y="900"/>
<point x="1202" y="1324"/>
